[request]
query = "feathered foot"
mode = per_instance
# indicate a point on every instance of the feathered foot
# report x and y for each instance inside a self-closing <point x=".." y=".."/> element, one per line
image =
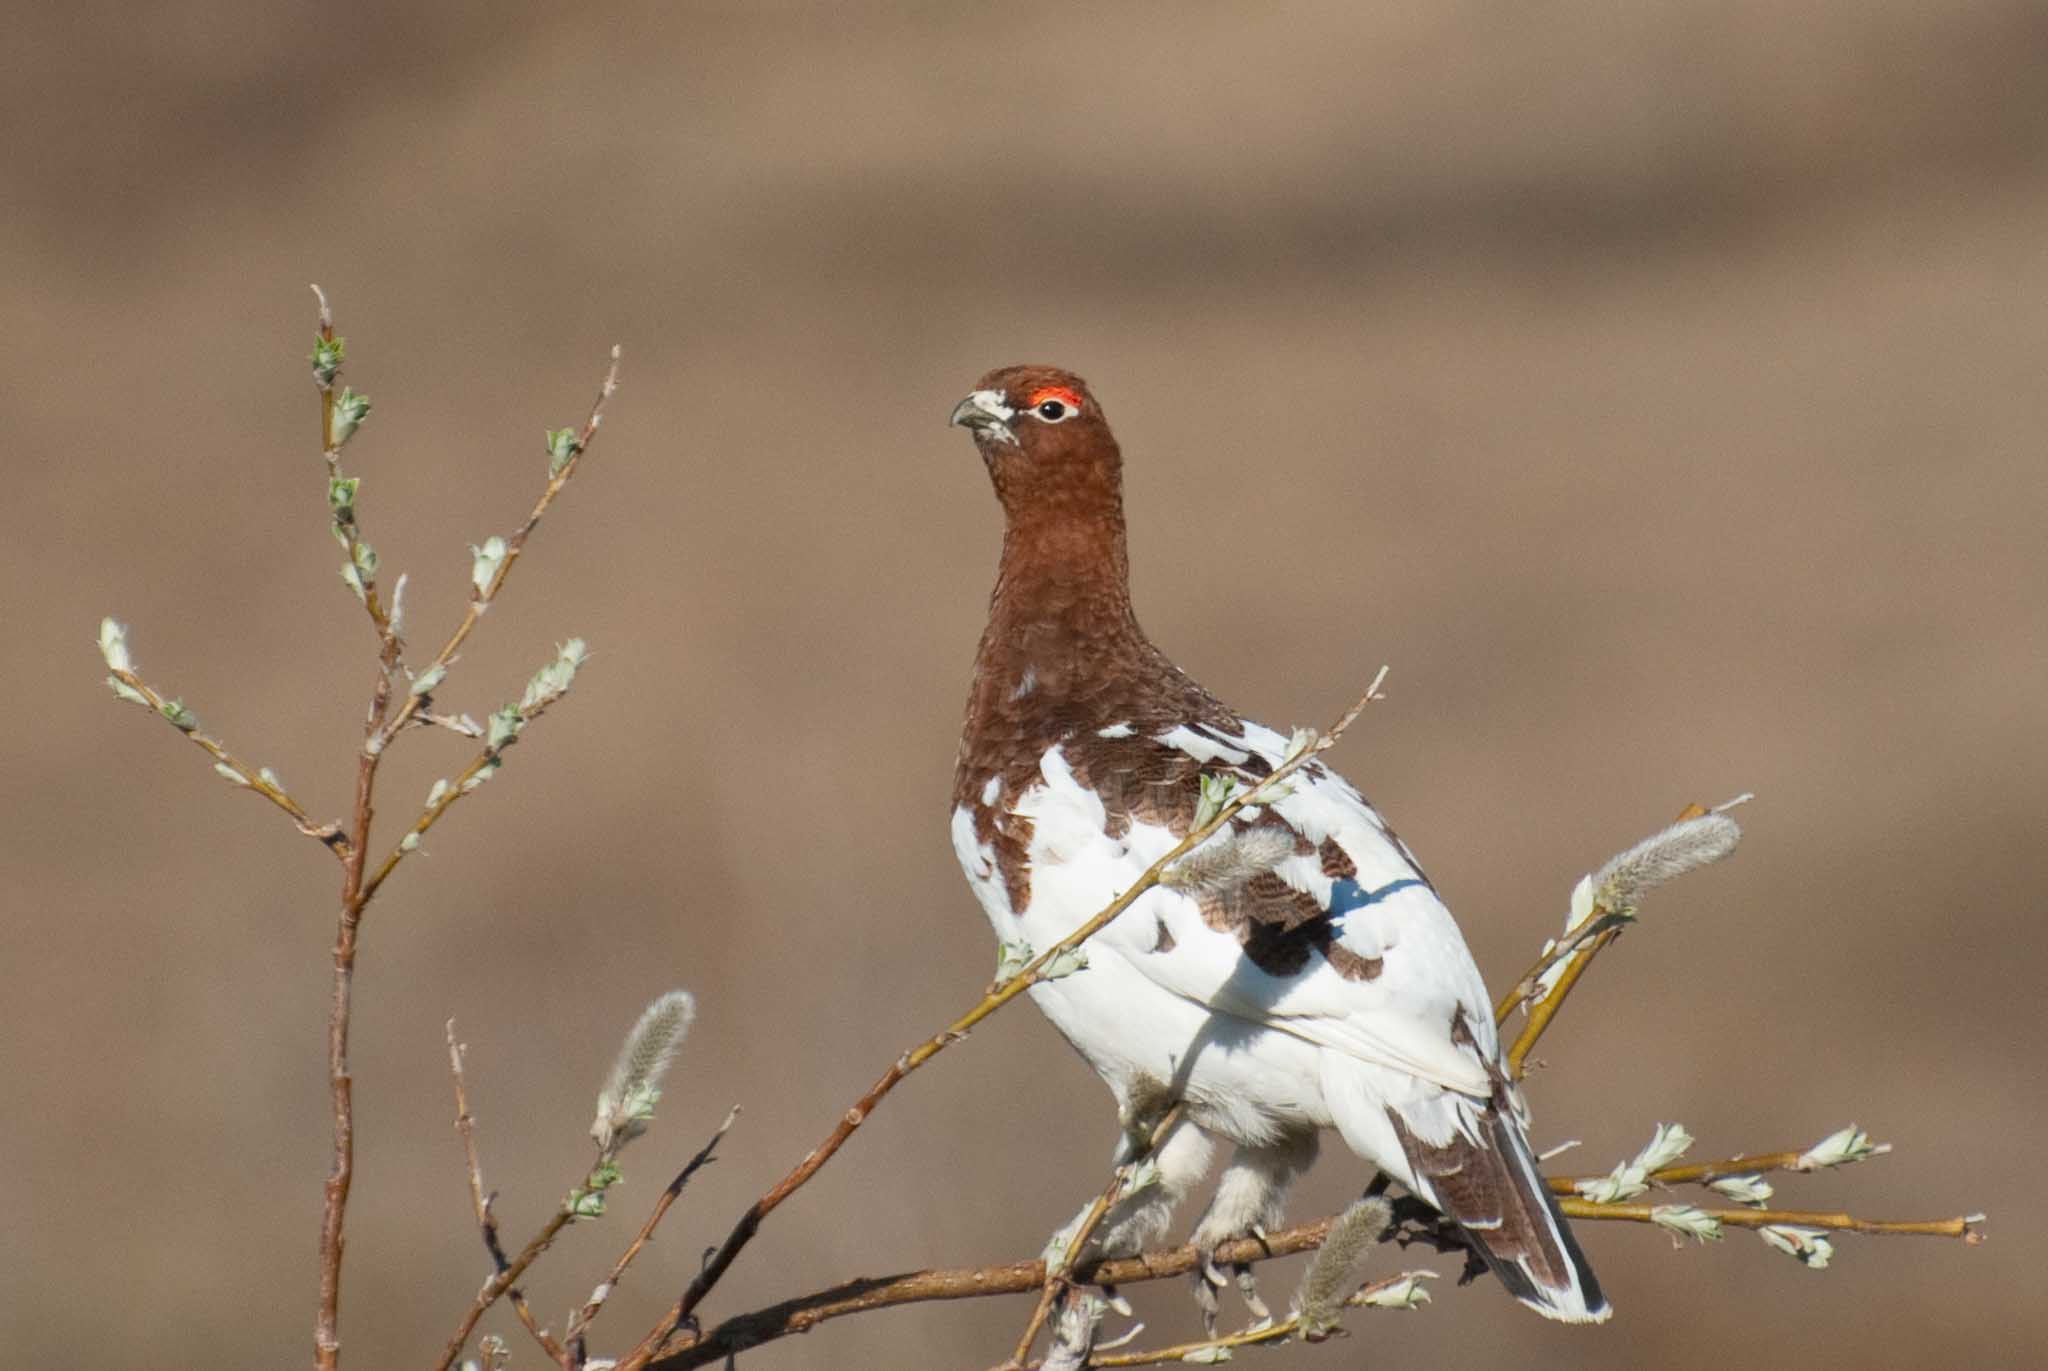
<point x="1249" y="1198"/>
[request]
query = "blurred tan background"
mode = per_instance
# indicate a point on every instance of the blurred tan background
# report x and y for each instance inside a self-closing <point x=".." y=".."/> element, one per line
<point x="1654" y="387"/>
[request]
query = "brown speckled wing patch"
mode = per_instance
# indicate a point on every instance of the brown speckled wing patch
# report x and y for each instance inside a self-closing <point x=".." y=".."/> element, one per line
<point x="1140" y="779"/>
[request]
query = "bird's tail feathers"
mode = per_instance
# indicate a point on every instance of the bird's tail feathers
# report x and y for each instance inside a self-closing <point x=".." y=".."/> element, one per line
<point x="1485" y="1177"/>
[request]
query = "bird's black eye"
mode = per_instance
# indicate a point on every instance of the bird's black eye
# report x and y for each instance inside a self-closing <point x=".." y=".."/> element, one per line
<point x="1052" y="410"/>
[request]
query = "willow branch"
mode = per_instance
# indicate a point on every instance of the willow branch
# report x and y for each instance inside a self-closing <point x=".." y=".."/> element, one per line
<point x="330" y="451"/>
<point x="1576" y="954"/>
<point x="501" y="1281"/>
<point x="504" y="1280"/>
<point x="379" y="727"/>
<point x="465" y="1125"/>
<point x="467" y="780"/>
<point x="334" y="1194"/>
<point x="326" y="387"/>
<point x="1250" y="1337"/>
<point x="805" y="1312"/>
<point x="1703" y="1172"/>
<point x="750" y="1222"/>
<point x="1417" y="1223"/>
<point x="486" y="1222"/>
<point x="1964" y="1227"/>
<point x="480" y="600"/>
<point x="581" y="1323"/>
<point x="341" y="1172"/>
<point x="329" y="834"/>
<point x="561" y="1355"/>
<point x="1058" y="1273"/>
<point x="1544" y="1011"/>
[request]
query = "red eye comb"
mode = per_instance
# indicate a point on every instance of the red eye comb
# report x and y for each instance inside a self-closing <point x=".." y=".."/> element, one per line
<point x="1060" y="393"/>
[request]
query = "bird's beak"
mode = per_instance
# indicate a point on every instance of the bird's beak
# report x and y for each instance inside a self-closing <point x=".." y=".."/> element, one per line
<point x="985" y="412"/>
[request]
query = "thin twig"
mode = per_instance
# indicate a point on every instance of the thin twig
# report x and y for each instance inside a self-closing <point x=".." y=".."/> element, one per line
<point x="334" y="1207"/>
<point x="454" y="723"/>
<point x="481" y="600"/>
<point x="1250" y="1337"/>
<point x="330" y="451"/>
<point x="802" y="1314"/>
<point x="1544" y="1011"/>
<point x="464" y="782"/>
<point x="329" y="834"/>
<point x="1964" y="1227"/>
<point x="560" y="1355"/>
<point x="750" y="1221"/>
<point x="1702" y="1172"/>
<point x="581" y="1323"/>
<point x="1576" y="953"/>
<point x="486" y="1222"/>
<point x="415" y="707"/>
<point x="326" y="388"/>
<point x="1057" y="1276"/>
<point x="501" y="1281"/>
<point x="465" y="1125"/>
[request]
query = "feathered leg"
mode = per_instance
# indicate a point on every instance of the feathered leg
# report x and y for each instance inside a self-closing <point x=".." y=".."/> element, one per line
<point x="1250" y="1199"/>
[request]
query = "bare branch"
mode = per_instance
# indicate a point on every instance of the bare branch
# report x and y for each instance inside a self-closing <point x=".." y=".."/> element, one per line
<point x="1057" y="1276"/>
<point x="581" y="1323"/>
<point x="256" y="779"/>
<point x="1704" y="1173"/>
<point x="1966" y="1227"/>
<point x="379" y="727"/>
<point x="486" y="1222"/>
<point x="443" y="799"/>
<point x="1210" y="1348"/>
<point x="482" y="597"/>
<point x="501" y="1281"/>
<point x="1417" y="1224"/>
<point x="561" y="1355"/>
<point x="806" y="1312"/>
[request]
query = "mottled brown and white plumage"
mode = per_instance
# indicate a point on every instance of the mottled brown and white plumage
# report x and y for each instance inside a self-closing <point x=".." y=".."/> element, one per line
<point x="1313" y="979"/>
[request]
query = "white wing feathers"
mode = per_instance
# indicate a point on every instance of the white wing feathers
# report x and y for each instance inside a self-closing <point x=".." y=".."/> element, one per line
<point x="1401" y="1018"/>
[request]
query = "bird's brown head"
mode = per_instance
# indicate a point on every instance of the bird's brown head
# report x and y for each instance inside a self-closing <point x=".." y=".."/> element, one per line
<point x="1048" y="448"/>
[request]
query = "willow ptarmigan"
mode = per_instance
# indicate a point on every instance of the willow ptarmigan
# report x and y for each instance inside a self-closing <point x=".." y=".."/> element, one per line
<point x="1318" y="983"/>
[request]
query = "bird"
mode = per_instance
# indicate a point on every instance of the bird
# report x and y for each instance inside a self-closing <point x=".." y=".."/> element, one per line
<point x="1301" y="974"/>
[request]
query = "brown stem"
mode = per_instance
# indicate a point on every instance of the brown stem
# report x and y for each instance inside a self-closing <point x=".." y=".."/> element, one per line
<point x="328" y="835"/>
<point x="806" y="1312"/>
<point x="326" y="1325"/>
<point x="378" y="617"/>
<point x="481" y="600"/>
<point x="501" y="1281"/>
<point x="378" y="730"/>
<point x="582" y="1321"/>
<point x="560" y="1355"/>
<point x="750" y="1222"/>
<point x="1057" y="1281"/>
<point x="1250" y="1337"/>
<point x="1700" y="1172"/>
<point x="487" y="1224"/>
<point x="465" y="1126"/>
<point x="431" y="815"/>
